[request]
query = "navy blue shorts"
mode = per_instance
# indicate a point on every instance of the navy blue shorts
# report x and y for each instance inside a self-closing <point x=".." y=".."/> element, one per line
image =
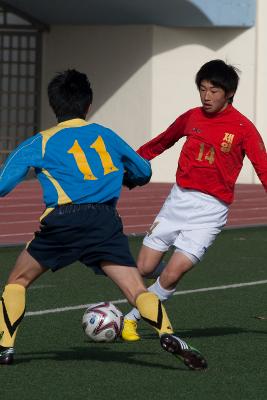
<point x="89" y="233"/>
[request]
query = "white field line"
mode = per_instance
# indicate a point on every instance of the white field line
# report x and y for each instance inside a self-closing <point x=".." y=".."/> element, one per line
<point x="34" y="287"/>
<point x="16" y="234"/>
<point x="242" y="220"/>
<point x="182" y="292"/>
<point x="6" y="206"/>
<point x="14" y="197"/>
<point x="28" y="221"/>
<point x="250" y="199"/>
<point x="20" y="213"/>
<point x="240" y="210"/>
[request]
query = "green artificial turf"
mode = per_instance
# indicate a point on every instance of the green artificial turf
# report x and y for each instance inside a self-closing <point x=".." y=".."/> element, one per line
<point x="54" y="359"/>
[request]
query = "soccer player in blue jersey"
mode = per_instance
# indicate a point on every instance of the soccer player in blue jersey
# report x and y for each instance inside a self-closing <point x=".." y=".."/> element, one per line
<point x="81" y="167"/>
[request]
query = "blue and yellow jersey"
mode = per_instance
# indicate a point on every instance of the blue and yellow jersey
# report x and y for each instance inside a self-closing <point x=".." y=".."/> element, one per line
<point x="74" y="161"/>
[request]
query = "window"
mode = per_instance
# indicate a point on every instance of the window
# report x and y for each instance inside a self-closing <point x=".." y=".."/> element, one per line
<point x="20" y="75"/>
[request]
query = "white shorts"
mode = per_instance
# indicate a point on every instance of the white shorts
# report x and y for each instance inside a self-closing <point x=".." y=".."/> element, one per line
<point x="188" y="220"/>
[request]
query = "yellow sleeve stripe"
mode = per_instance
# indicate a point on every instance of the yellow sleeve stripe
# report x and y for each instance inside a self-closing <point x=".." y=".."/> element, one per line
<point x="47" y="135"/>
<point x="63" y="198"/>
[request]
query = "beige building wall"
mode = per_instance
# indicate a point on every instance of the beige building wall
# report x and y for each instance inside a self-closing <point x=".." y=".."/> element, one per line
<point x="118" y="63"/>
<point x="143" y="76"/>
<point x="260" y="107"/>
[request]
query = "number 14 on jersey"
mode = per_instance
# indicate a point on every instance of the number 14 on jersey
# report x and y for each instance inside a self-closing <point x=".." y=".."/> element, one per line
<point x="206" y="154"/>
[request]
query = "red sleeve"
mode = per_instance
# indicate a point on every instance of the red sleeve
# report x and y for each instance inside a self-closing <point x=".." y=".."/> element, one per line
<point x="256" y="152"/>
<point x="166" y="139"/>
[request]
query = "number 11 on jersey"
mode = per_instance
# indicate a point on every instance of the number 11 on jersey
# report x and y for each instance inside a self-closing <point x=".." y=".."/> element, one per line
<point x="82" y="163"/>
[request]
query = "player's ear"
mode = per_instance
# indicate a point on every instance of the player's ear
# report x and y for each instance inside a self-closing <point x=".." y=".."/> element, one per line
<point x="230" y="95"/>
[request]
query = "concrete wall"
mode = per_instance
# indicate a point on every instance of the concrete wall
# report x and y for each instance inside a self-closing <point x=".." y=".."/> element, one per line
<point x="118" y="63"/>
<point x="143" y="76"/>
<point x="260" y="71"/>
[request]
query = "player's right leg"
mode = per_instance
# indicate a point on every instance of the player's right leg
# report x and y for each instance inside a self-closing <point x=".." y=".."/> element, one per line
<point x="129" y="280"/>
<point x="164" y="287"/>
<point x="148" y="259"/>
<point x="153" y="312"/>
<point x="12" y="306"/>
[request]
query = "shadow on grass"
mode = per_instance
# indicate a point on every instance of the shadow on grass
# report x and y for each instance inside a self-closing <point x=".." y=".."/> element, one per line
<point x="204" y="332"/>
<point x="117" y="353"/>
<point x="99" y="353"/>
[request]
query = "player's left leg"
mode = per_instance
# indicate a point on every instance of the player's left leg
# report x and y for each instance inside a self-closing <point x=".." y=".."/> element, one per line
<point x="190" y="248"/>
<point x="12" y="306"/>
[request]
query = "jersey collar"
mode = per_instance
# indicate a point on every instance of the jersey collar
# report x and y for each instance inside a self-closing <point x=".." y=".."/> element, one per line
<point x="226" y="111"/>
<point x="75" y="122"/>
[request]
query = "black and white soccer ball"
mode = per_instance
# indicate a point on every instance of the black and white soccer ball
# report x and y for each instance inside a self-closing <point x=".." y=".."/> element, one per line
<point x="102" y="322"/>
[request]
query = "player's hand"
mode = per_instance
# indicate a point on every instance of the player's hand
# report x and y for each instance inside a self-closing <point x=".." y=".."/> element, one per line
<point x="130" y="181"/>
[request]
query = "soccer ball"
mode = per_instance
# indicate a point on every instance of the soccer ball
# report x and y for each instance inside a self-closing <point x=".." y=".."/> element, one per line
<point x="102" y="322"/>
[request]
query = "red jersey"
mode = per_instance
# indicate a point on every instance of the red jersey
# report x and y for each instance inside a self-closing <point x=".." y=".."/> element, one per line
<point x="212" y="156"/>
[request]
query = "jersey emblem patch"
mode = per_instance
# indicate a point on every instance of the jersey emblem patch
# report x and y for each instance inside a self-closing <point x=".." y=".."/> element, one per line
<point x="227" y="142"/>
<point x="196" y="130"/>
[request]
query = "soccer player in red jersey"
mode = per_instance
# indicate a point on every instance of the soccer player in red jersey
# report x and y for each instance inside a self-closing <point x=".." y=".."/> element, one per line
<point x="217" y="139"/>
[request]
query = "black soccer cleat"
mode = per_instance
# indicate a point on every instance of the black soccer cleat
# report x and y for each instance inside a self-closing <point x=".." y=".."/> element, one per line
<point x="191" y="357"/>
<point x="6" y="355"/>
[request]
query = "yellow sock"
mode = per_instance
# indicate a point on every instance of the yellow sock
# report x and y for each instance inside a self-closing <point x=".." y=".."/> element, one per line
<point x="11" y="314"/>
<point x="153" y="312"/>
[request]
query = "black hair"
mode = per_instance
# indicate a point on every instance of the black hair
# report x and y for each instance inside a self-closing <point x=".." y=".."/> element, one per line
<point x="70" y="94"/>
<point x="220" y="75"/>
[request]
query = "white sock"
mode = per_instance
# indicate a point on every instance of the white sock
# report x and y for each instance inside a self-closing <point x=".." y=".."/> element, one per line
<point x="163" y="294"/>
<point x="133" y="315"/>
